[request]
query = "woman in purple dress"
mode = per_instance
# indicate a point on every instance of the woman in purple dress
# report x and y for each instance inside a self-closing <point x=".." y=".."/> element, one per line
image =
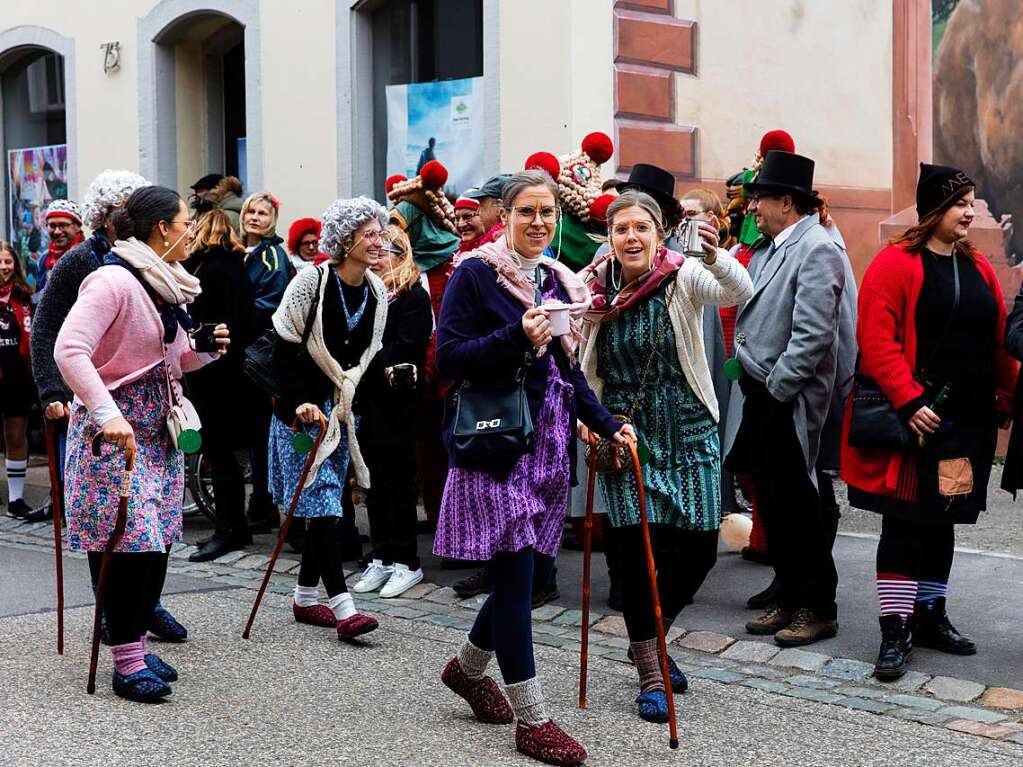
<point x="511" y="512"/>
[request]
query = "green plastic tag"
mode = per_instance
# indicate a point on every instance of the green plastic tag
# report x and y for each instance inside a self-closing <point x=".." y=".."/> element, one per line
<point x="643" y="453"/>
<point x="189" y="441"/>
<point x="732" y="369"/>
<point x="301" y="442"/>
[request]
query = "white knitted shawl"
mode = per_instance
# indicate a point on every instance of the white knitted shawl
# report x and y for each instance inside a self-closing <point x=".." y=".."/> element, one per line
<point x="289" y="322"/>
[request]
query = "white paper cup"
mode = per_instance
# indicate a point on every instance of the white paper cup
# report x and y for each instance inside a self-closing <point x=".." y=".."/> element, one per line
<point x="557" y="313"/>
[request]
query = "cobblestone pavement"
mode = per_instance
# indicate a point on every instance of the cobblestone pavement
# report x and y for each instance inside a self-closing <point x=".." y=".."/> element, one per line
<point x="939" y="702"/>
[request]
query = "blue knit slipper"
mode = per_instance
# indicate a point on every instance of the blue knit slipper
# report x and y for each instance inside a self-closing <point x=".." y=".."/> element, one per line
<point x="142" y="686"/>
<point x="653" y="706"/>
<point x="679" y="683"/>
<point x="164" y="626"/>
<point x="161" y="668"/>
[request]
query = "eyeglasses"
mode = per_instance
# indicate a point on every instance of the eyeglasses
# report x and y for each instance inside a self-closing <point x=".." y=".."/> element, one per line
<point x="378" y="235"/>
<point x="59" y="224"/>
<point x="460" y="217"/>
<point x="309" y="243"/>
<point x="548" y="214"/>
<point x="190" y="223"/>
<point x="758" y="196"/>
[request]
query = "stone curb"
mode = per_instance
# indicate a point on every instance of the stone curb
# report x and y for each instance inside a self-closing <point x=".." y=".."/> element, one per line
<point x="954" y="704"/>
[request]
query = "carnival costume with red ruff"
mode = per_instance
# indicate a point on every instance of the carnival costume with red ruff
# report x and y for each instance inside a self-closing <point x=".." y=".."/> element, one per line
<point x="583" y="225"/>
<point x="423" y="212"/>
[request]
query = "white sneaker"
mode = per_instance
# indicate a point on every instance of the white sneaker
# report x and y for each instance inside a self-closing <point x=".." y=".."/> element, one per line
<point x="373" y="577"/>
<point x="401" y="580"/>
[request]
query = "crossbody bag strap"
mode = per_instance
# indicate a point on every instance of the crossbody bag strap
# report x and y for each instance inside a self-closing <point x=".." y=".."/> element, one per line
<point x="922" y="375"/>
<point x="653" y="352"/>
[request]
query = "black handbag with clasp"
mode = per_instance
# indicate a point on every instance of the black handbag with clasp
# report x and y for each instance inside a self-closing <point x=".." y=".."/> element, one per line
<point x="492" y="424"/>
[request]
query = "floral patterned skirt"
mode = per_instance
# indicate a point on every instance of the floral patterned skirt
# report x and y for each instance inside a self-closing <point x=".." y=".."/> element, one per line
<point x="323" y="497"/>
<point x="92" y="485"/>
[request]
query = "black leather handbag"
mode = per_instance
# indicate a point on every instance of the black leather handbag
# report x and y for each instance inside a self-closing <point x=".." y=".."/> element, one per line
<point x="874" y="422"/>
<point x="266" y="357"/>
<point x="492" y="424"/>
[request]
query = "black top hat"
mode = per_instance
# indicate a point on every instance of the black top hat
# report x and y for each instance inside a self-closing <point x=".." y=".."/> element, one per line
<point x="208" y="181"/>
<point x="659" y="184"/>
<point x="785" y="173"/>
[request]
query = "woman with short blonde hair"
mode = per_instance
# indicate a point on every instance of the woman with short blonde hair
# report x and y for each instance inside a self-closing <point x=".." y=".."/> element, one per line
<point x="387" y="432"/>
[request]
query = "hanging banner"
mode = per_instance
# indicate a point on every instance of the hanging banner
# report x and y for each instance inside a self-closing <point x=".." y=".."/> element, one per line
<point x="35" y="177"/>
<point x="440" y="121"/>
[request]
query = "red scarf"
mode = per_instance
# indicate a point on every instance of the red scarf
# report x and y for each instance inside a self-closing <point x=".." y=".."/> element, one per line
<point x="491" y="235"/>
<point x="52" y="254"/>
<point x="5" y="291"/>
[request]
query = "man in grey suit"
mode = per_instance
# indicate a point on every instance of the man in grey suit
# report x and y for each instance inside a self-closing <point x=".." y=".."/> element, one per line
<point x="787" y="343"/>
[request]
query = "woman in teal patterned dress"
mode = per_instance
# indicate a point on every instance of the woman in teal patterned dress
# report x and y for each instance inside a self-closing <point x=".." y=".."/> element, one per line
<point x="643" y="355"/>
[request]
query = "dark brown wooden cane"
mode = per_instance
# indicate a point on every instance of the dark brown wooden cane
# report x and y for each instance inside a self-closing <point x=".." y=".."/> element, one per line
<point x="584" y="649"/>
<point x="115" y="538"/>
<point x="57" y="500"/>
<point x="285" y="525"/>
<point x="662" y="645"/>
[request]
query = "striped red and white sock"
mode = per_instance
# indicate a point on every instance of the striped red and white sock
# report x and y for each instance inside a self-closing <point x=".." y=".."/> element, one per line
<point x="896" y="593"/>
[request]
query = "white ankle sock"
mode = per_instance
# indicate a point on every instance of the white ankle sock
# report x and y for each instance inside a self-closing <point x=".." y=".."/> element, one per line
<point x="526" y="700"/>
<point x="473" y="659"/>
<point x="343" y="606"/>
<point x="306" y="596"/>
<point x="16" y="479"/>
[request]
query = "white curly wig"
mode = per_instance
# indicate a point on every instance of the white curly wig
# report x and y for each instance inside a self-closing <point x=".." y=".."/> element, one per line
<point x="341" y="220"/>
<point x="107" y="191"/>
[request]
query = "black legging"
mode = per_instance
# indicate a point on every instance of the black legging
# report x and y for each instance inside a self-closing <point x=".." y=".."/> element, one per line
<point x="682" y="558"/>
<point x="505" y="622"/>
<point x="321" y="556"/>
<point x="132" y="589"/>
<point x="920" y="551"/>
<point x="391" y="502"/>
<point x="228" y="488"/>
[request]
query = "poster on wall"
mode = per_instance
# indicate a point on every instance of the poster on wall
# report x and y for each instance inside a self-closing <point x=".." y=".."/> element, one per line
<point x="440" y="121"/>
<point x="35" y="177"/>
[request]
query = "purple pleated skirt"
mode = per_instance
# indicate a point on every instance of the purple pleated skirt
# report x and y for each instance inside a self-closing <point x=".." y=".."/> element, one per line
<point x="480" y="515"/>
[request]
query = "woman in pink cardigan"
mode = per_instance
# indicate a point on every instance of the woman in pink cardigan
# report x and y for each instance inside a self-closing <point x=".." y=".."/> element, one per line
<point x="122" y="352"/>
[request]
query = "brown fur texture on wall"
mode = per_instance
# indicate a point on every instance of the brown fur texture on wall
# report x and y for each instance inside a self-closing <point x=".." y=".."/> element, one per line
<point x="978" y="105"/>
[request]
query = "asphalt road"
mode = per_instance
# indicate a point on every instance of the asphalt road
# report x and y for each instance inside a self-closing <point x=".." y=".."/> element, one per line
<point x="292" y="695"/>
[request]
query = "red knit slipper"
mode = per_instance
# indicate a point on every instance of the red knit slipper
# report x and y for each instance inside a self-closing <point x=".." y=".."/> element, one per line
<point x="484" y="696"/>
<point x="355" y="626"/>
<point x="317" y="615"/>
<point x="549" y="743"/>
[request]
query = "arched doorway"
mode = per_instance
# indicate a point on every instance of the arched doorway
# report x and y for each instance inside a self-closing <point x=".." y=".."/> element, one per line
<point x="37" y="137"/>
<point x="199" y="92"/>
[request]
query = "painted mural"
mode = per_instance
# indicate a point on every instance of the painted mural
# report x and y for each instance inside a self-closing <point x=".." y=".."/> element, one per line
<point x="978" y="102"/>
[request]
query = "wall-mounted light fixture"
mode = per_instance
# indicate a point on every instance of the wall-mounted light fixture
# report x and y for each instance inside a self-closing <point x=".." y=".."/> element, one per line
<point x="111" y="57"/>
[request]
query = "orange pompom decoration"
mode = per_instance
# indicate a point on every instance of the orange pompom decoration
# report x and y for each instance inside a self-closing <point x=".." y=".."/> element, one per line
<point x="599" y="147"/>
<point x="598" y="208"/>
<point x="397" y="178"/>
<point x="434" y="175"/>
<point x="544" y="161"/>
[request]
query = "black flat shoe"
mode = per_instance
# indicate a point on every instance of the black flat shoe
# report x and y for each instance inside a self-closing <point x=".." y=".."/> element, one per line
<point x="218" y="546"/>
<point x="42" y="514"/>
<point x="765" y="598"/>
<point x="18" y="509"/>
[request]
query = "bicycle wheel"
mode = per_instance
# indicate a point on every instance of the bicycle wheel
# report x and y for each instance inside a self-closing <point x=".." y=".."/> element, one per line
<point x="199" y="487"/>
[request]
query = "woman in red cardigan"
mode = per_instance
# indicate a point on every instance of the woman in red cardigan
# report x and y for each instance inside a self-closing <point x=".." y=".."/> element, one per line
<point x="930" y="328"/>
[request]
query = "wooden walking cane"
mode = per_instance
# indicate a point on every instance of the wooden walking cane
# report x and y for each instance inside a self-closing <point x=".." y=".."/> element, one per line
<point x="57" y="500"/>
<point x="286" y="524"/>
<point x="662" y="646"/>
<point x="115" y="538"/>
<point x="584" y="649"/>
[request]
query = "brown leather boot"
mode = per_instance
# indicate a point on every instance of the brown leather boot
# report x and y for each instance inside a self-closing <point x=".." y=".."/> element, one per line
<point x="806" y="628"/>
<point x="770" y="622"/>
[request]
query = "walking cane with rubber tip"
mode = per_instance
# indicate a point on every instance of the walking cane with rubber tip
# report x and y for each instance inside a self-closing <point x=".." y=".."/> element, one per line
<point x="115" y="538"/>
<point x="662" y="645"/>
<point x="57" y="500"/>
<point x="584" y="648"/>
<point x="300" y="446"/>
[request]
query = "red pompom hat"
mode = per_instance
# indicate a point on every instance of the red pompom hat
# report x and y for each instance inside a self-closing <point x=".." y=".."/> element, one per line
<point x="397" y="178"/>
<point x="776" y="139"/>
<point x="434" y="175"/>
<point x="299" y="229"/>
<point x="598" y="146"/>
<point x="467" y="203"/>
<point x="545" y="161"/>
